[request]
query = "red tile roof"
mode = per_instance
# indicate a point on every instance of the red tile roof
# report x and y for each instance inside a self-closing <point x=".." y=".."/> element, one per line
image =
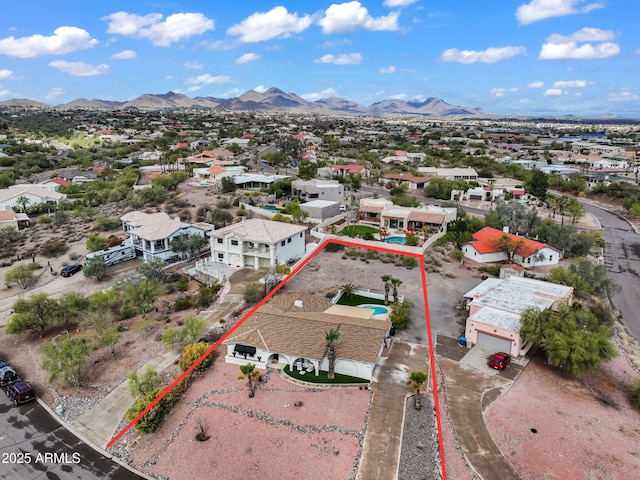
<point x="484" y="241"/>
<point x="347" y="168"/>
<point x="7" y="215"/>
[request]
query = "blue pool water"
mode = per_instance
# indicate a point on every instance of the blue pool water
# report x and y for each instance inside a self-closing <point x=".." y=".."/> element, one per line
<point x="377" y="310"/>
<point x="271" y="207"/>
<point x="395" y="240"/>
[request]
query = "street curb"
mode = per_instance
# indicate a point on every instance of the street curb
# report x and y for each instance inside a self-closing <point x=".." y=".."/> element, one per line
<point x="84" y="439"/>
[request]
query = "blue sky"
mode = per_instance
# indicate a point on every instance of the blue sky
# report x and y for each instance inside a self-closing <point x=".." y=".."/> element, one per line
<point x="533" y="57"/>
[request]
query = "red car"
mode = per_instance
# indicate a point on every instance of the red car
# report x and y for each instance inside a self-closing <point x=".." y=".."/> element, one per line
<point x="20" y="392"/>
<point x="500" y="361"/>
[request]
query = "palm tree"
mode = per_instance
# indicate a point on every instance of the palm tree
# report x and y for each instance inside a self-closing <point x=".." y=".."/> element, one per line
<point x="395" y="283"/>
<point x="249" y="372"/>
<point x="386" y="279"/>
<point x="416" y="382"/>
<point x="331" y="339"/>
<point x="347" y="289"/>
<point x="22" y="202"/>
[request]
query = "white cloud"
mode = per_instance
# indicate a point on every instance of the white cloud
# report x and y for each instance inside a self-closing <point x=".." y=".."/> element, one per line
<point x="194" y="88"/>
<point x="207" y="79"/>
<point x="247" y="58"/>
<point x="537" y="10"/>
<point x="312" y="97"/>
<point x="399" y="96"/>
<point x="535" y="85"/>
<point x="352" y="16"/>
<point x="490" y="55"/>
<point x="64" y="40"/>
<point x="624" y="97"/>
<point x="554" y="92"/>
<point x="341" y="59"/>
<point x="54" y="93"/>
<point x="124" y="55"/>
<point x="4" y="74"/>
<point x="261" y="89"/>
<point x="176" y="27"/>
<point x="570" y="84"/>
<point x="193" y="65"/>
<point x="277" y="22"/>
<point x="4" y="92"/>
<point x="331" y="44"/>
<point x="501" y="92"/>
<point x="398" y="3"/>
<point x="79" y="69"/>
<point x="561" y="47"/>
<point x="389" y="69"/>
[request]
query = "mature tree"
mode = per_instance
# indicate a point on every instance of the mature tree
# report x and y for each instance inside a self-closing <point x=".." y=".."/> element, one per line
<point x="571" y="336"/>
<point x="538" y="184"/>
<point x="70" y="305"/>
<point x="574" y="209"/>
<point x="33" y="313"/>
<point x="188" y="245"/>
<point x="416" y="382"/>
<point x="104" y="299"/>
<point x="227" y="185"/>
<point x="110" y="339"/>
<point x="395" y="283"/>
<point x="21" y="203"/>
<point x="399" y="315"/>
<point x="249" y="372"/>
<point x="153" y="269"/>
<point x="66" y="358"/>
<point x="509" y="245"/>
<point x="191" y="331"/>
<point x="99" y="321"/>
<point x="95" y="267"/>
<point x="143" y="295"/>
<point x="628" y="202"/>
<point x="140" y="384"/>
<point x="386" y="278"/>
<point x="584" y="276"/>
<point x="97" y="242"/>
<point x="517" y="217"/>
<point x="9" y="237"/>
<point x="307" y="170"/>
<point x="221" y="218"/>
<point x="331" y="339"/>
<point x="21" y="274"/>
<point x="291" y="147"/>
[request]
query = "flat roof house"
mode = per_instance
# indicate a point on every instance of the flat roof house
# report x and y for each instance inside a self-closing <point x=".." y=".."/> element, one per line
<point x="316" y="189"/>
<point x="257" y="243"/>
<point x="496" y="305"/>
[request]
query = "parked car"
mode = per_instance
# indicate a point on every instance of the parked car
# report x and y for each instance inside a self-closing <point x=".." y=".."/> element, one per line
<point x="7" y="375"/>
<point x="500" y="361"/>
<point x="20" y="392"/>
<point x="70" y="270"/>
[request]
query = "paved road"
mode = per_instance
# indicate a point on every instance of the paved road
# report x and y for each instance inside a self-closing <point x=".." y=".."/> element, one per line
<point x="33" y="445"/>
<point x="622" y="258"/>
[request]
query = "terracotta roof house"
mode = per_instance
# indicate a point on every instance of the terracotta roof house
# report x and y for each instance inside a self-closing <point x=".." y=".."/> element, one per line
<point x="496" y="305"/>
<point x="257" y="243"/>
<point x="384" y="214"/>
<point x="415" y="183"/>
<point x="346" y="169"/>
<point x="289" y="331"/>
<point x="8" y="219"/>
<point x="529" y="253"/>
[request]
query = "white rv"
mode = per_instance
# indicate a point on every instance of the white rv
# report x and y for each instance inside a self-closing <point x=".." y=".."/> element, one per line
<point x="114" y="255"/>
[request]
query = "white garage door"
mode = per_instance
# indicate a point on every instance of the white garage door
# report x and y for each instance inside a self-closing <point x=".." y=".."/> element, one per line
<point x="496" y="344"/>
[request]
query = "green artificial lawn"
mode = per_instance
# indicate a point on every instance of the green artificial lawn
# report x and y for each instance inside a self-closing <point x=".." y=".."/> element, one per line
<point x="355" y="300"/>
<point x="322" y="377"/>
<point x="353" y="230"/>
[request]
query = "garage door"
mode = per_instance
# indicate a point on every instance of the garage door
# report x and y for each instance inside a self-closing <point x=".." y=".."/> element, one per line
<point x="475" y="197"/>
<point x="496" y="344"/>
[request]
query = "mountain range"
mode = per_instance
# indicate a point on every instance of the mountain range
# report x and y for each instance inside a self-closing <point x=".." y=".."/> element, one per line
<point x="273" y="99"/>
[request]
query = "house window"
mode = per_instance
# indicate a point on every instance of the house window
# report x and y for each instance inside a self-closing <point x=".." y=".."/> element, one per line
<point x="300" y="234"/>
<point x="289" y="240"/>
<point x="221" y="256"/>
<point x="282" y="243"/>
<point x="234" y="243"/>
<point x="550" y="257"/>
<point x="219" y="240"/>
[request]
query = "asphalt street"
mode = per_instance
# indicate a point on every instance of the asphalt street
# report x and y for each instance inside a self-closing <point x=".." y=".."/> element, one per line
<point x="33" y="445"/>
<point x="622" y="259"/>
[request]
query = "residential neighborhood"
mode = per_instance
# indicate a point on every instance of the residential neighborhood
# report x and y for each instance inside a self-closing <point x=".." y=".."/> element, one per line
<point x="378" y="262"/>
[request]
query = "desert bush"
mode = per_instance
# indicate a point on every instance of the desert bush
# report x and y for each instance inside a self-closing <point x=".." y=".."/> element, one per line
<point x="635" y="393"/>
<point x="53" y="248"/>
<point x="409" y="262"/>
<point x="184" y="303"/>
<point x="490" y="269"/>
<point x="192" y="353"/>
<point x="45" y="220"/>
<point x="449" y="274"/>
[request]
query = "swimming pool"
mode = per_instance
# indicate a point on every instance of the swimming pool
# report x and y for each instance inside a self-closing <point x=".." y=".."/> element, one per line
<point x="395" y="240"/>
<point x="272" y="208"/>
<point x="377" y="310"/>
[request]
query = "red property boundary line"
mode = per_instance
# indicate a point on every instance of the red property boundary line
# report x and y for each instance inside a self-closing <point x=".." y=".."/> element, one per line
<point x="318" y="249"/>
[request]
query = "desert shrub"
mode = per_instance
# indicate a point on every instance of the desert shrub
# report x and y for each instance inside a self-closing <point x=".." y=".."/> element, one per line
<point x="490" y="269"/>
<point x="126" y="311"/>
<point x="207" y="295"/>
<point x="334" y="247"/>
<point x="410" y="262"/>
<point x="150" y="421"/>
<point x="399" y="315"/>
<point x="192" y="353"/>
<point x="45" y="220"/>
<point x="635" y="393"/>
<point x="182" y="285"/>
<point x="104" y="224"/>
<point x="450" y="274"/>
<point x="183" y="303"/>
<point x="53" y="248"/>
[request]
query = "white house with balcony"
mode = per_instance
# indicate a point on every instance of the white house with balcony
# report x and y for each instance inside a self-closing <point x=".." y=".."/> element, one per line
<point x="151" y="233"/>
<point x="257" y="243"/>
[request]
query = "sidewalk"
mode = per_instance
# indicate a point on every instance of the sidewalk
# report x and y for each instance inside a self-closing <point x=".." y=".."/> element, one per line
<point x="99" y="425"/>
